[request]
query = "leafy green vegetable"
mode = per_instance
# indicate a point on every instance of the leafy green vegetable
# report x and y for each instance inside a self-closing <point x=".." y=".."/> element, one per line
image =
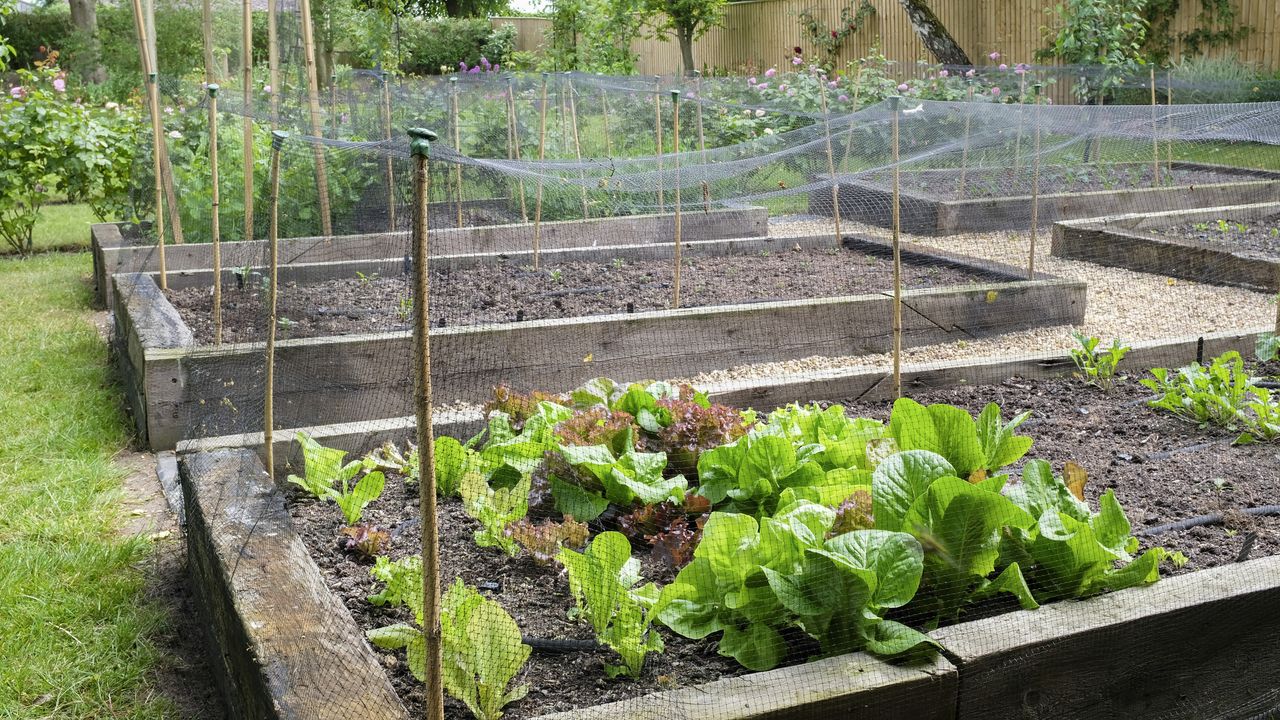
<point x="603" y="581"/>
<point x="322" y="467"/>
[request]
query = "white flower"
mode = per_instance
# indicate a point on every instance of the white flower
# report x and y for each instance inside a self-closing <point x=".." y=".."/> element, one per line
<point x="175" y="134"/>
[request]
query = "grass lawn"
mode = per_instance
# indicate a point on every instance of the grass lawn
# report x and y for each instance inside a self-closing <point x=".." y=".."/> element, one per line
<point x="75" y="627"/>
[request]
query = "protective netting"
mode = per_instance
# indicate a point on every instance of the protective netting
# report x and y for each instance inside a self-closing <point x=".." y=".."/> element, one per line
<point x="670" y="321"/>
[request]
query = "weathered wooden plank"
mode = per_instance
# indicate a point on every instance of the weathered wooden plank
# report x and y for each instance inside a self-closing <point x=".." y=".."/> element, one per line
<point x="288" y="649"/>
<point x="1200" y="645"/>
<point x="853" y="687"/>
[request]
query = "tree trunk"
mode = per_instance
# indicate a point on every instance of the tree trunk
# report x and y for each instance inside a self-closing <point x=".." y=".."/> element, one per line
<point x="686" y="49"/>
<point x="934" y="34"/>
<point x="84" y="15"/>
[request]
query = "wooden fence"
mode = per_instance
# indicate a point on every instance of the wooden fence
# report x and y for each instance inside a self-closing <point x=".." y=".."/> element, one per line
<point x="757" y="34"/>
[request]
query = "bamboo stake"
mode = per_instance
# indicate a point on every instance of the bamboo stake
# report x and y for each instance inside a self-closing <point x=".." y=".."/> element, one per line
<point x="273" y="61"/>
<point x="1035" y="192"/>
<point x="215" y="230"/>
<point x="542" y="154"/>
<point x="577" y="146"/>
<point x="246" y="91"/>
<point x="313" y="101"/>
<point x="1155" y="137"/>
<point x="513" y="151"/>
<point x="388" y="164"/>
<point x="457" y="145"/>
<point x="675" y="134"/>
<point x="831" y="168"/>
<point x="273" y="241"/>
<point x="702" y="142"/>
<point x="657" y="130"/>
<point x="897" y="256"/>
<point x="420" y="148"/>
<point x="964" y="145"/>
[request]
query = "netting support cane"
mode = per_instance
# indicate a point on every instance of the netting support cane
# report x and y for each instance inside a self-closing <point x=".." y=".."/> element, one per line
<point x="215" y="229"/>
<point x="657" y="134"/>
<point x="513" y="149"/>
<point x="420" y="148"/>
<point x="1155" y="134"/>
<point x="273" y="237"/>
<point x="675" y="141"/>
<point x="831" y="167"/>
<point x="457" y="145"/>
<point x="894" y="102"/>
<point x="542" y="154"/>
<point x="1035" y="189"/>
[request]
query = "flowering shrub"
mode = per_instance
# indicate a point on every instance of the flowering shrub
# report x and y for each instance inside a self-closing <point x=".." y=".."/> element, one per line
<point x="53" y="145"/>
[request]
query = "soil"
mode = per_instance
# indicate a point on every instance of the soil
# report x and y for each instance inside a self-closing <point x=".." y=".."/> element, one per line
<point x="1260" y="235"/>
<point x="1006" y="183"/>
<point x="1161" y="469"/>
<point x="507" y="292"/>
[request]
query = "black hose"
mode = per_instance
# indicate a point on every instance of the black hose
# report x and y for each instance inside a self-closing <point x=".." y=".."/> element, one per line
<point x="1201" y="520"/>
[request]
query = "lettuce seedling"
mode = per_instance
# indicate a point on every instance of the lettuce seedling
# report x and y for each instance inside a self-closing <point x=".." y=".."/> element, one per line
<point x="322" y="467"/>
<point x="604" y="580"/>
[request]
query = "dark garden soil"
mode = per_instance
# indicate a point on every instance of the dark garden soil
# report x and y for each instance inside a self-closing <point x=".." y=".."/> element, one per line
<point x="507" y="292"/>
<point x="1261" y="235"/>
<point x="1161" y="469"/>
<point x="945" y="184"/>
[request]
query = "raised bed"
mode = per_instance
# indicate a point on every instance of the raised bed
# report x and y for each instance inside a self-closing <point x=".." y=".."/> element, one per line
<point x="1136" y="241"/>
<point x="1201" y="644"/>
<point x="929" y="212"/>
<point x="115" y="248"/>
<point x="178" y="390"/>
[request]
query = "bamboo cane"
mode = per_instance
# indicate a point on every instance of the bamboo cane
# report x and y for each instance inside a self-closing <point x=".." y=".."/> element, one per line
<point x="388" y="164"/>
<point x="675" y="134"/>
<point x="1155" y="136"/>
<point x="420" y="147"/>
<point x="577" y="145"/>
<point x="513" y="151"/>
<point x="317" y="129"/>
<point x="1035" y="192"/>
<point x="542" y="154"/>
<point x="273" y="241"/>
<point x="457" y="145"/>
<point x="964" y="144"/>
<point x="831" y="169"/>
<point x="215" y="230"/>
<point x="246" y="91"/>
<point x="702" y="142"/>
<point x="657" y="131"/>
<point x="897" y="256"/>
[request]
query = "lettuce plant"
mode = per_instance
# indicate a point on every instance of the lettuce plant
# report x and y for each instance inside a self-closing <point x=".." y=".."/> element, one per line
<point x="604" y="581"/>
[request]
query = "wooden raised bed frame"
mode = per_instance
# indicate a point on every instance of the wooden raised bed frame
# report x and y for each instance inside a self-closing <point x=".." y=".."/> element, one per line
<point x="112" y="254"/>
<point x="177" y="390"/>
<point x="1124" y="241"/>
<point x="924" y="213"/>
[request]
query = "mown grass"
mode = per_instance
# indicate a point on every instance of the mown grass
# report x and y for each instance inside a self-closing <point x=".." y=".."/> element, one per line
<point x="74" y="621"/>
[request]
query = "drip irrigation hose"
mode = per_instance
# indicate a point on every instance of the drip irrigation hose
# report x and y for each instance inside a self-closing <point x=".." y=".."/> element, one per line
<point x="1201" y="520"/>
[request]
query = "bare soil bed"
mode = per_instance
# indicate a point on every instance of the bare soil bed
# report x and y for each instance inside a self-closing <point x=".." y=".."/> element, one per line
<point x="1260" y="235"/>
<point x="1161" y="469"/>
<point x="1008" y="182"/>
<point x="507" y="292"/>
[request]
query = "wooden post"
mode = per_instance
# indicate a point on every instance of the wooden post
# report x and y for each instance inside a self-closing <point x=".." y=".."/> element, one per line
<point x="273" y="61"/>
<point x="657" y="133"/>
<point x="702" y="142"/>
<point x="964" y="144"/>
<point x="215" y="230"/>
<point x="1035" y="192"/>
<point x="313" y="103"/>
<point x="513" y="150"/>
<point x="1155" y="137"/>
<point x="542" y="154"/>
<point x="577" y="145"/>
<point x="246" y="90"/>
<point x="388" y="164"/>
<point x="273" y="241"/>
<point x="675" y="134"/>
<point x="831" y="167"/>
<point x="457" y="145"/>
<point x="420" y="148"/>
<point x="894" y="100"/>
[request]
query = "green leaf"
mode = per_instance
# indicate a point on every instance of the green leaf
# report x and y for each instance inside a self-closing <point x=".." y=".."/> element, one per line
<point x="899" y="480"/>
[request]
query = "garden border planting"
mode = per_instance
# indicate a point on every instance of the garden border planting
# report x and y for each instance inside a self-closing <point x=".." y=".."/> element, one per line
<point x="923" y="213"/>
<point x="112" y="254"/>
<point x="170" y="382"/>
<point x="1122" y="241"/>
<point x="1073" y="657"/>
